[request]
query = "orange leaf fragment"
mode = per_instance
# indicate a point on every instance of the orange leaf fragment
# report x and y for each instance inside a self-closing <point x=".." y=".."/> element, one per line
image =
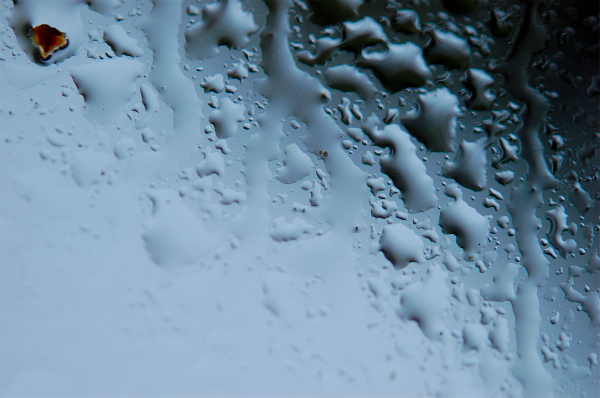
<point x="48" y="40"/>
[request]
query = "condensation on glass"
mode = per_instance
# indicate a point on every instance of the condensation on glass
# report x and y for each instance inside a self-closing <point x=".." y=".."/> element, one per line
<point x="338" y="197"/>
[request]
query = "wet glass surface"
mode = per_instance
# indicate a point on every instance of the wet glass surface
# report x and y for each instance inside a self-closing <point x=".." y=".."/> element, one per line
<point x="320" y="198"/>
